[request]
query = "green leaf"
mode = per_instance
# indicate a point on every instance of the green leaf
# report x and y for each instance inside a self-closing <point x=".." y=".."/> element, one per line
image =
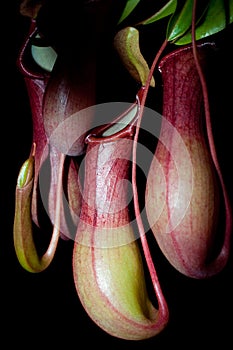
<point x="165" y="11"/>
<point x="216" y="19"/>
<point x="129" y="7"/>
<point x="181" y="20"/>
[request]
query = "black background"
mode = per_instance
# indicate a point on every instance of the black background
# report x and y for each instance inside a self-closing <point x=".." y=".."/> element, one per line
<point x="43" y="309"/>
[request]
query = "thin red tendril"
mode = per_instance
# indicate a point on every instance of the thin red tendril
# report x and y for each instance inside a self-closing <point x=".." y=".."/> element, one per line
<point x="224" y="253"/>
<point x="161" y="300"/>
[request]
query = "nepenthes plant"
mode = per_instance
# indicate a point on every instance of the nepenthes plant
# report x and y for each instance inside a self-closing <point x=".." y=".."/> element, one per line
<point x="186" y="200"/>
